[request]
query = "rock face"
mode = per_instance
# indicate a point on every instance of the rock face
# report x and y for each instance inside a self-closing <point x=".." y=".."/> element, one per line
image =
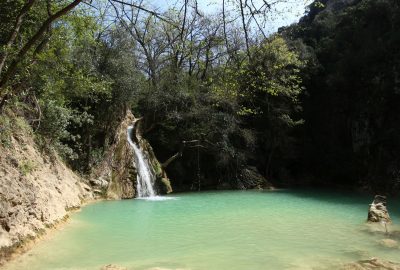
<point x="115" y="177"/>
<point x="36" y="190"/>
<point x="163" y="184"/>
<point x="378" y="211"/>
<point x="250" y="178"/>
<point x="372" y="264"/>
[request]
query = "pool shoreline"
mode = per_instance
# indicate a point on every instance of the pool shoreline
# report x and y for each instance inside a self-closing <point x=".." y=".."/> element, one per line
<point x="12" y="253"/>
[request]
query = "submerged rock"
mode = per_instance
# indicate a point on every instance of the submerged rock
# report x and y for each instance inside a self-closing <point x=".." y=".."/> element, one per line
<point x="113" y="267"/>
<point x="389" y="243"/>
<point x="372" y="264"/>
<point x="378" y="211"/>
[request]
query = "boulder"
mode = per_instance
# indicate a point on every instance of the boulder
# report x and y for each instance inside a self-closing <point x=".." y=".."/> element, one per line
<point x="378" y="211"/>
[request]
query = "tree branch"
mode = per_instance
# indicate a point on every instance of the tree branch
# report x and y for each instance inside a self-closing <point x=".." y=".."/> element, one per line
<point x="152" y="12"/>
<point x="17" y="26"/>
<point x="22" y="53"/>
<point x="168" y="161"/>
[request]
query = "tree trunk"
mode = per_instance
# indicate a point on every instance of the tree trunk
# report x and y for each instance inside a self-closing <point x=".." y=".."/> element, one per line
<point x="22" y="53"/>
<point x="17" y="26"/>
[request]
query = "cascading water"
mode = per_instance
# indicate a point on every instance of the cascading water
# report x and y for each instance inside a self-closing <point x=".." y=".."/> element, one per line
<point x="145" y="179"/>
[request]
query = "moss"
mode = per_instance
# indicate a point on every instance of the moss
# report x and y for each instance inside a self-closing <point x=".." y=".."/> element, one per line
<point x="157" y="169"/>
<point x="167" y="185"/>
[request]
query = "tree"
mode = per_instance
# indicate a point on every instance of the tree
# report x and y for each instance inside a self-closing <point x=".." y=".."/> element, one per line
<point x="31" y="41"/>
<point x="351" y="106"/>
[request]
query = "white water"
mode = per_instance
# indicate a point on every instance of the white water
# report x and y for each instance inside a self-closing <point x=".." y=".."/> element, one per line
<point x="145" y="179"/>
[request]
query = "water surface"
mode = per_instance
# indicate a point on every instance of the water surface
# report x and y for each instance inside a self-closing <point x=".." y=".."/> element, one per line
<point x="216" y="230"/>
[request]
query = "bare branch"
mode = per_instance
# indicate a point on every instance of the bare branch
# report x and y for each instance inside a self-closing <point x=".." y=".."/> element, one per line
<point x="140" y="7"/>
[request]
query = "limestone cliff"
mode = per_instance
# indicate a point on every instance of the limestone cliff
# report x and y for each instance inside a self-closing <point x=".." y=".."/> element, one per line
<point x="163" y="184"/>
<point x="36" y="188"/>
<point x="115" y="177"/>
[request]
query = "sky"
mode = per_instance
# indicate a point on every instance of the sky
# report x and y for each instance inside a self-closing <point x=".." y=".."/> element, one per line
<point x="287" y="13"/>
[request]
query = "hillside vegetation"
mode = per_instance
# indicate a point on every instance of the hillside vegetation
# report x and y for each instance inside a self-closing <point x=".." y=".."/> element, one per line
<point x="316" y="104"/>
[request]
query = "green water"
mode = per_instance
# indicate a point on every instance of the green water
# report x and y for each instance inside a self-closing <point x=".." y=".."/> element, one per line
<point x="215" y="230"/>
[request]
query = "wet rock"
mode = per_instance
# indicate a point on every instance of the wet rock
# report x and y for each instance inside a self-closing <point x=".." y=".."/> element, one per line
<point x="163" y="184"/>
<point x="113" y="267"/>
<point x="114" y="178"/>
<point x="372" y="264"/>
<point x="389" y="243"/>
<point x="378" y="211"/>
<point x="116" y="175"/>
<point x="166" y="185"/>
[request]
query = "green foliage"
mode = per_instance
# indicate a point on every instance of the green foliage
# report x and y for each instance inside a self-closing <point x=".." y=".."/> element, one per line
<point x="232" y="112"/>
<point x="55" y="125"/>
<point x="26" y="167"/>
<point x="5" y="131"/>
<point x="8" y="13"/>
<point x="265" y="92"/>
<point x="338" y="69"/>
<point x="352" y="102"/>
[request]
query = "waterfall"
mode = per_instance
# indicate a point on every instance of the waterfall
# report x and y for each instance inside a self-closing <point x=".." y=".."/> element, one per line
<point x="145" y="178"/>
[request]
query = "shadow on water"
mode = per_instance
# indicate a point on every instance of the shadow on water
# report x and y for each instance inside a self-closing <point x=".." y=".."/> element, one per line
<point x="326" y="196"/>
<point x="342" y="197"/>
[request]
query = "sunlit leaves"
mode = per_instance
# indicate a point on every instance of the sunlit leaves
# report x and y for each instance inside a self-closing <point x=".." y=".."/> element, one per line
<point x="273" y="71"/>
